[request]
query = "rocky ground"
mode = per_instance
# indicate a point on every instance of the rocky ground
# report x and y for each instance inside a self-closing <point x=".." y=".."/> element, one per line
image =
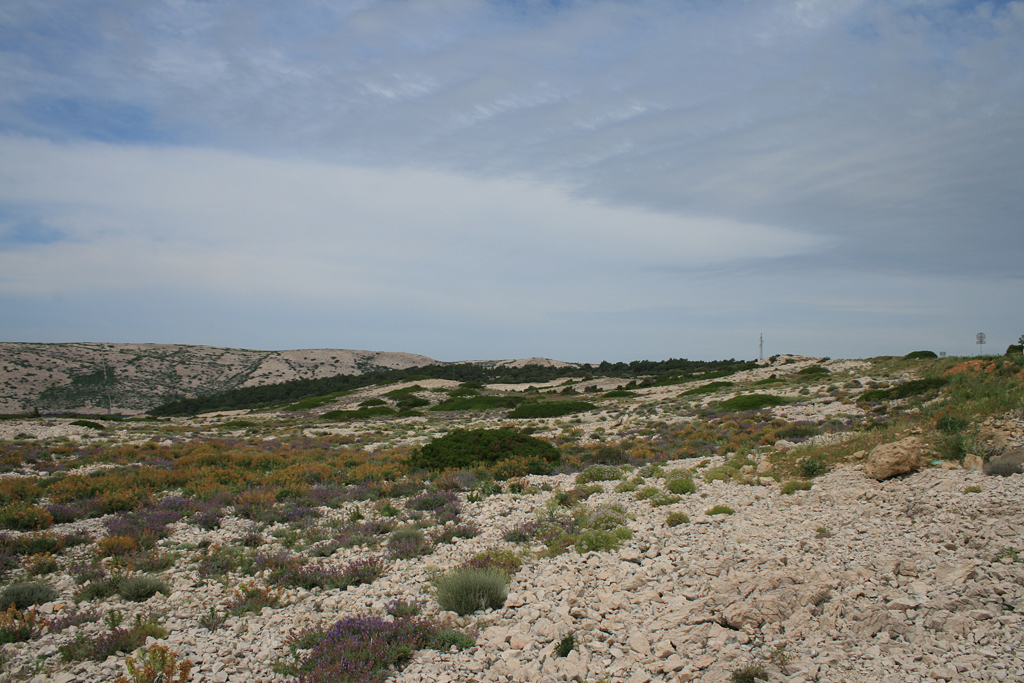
<point x="915" y="578"/>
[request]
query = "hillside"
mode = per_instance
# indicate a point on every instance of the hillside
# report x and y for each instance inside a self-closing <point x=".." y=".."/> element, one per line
<point x="57" y="378"/>
<point x="802" y="520"/>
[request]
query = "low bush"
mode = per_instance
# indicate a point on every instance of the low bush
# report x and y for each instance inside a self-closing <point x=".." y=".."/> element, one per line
<point x="99" y="647"/>
<point x="40" y="564"/>
<point x="250" y="597"/>
<point x="663" y="498"/>
<point x="746" y="402"/>
<point x="791" y="487"/>
<point x="565" y="646"/>
<point x="920" y="355"/>
<point x="18" y="626"/>
<point x="504" y="561"/>
<point x="749" y="674"/>
<point x="709" y="388"/>
<point x="719" y="510"/>
<point x="598" y="473"/>
<point x="407" y="543"/>
<point x="600" y="540"/>
<point x="647" y="492"/>
<point x="550" y="409"/>
<point x="465" y="591"/>
<point x="915" y="387"/>
<point x="364" y="649"/>
<point x="25" y="594"/>
<point x="141" y="588"/>
<point x="24" y="517"/>
<point x="680" y="482"/>
<point x="476" y="403"/>
<point x="156" y="664"/>
<point x="465" y="448"/>
<point x="812" y="467"/>
<point x="676" y="518"/>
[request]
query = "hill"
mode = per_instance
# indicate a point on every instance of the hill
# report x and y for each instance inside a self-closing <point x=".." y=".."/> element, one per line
<point x="131" y="378"/>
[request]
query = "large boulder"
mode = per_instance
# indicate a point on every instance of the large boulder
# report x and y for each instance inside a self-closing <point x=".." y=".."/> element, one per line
<point x="899" y="457"/>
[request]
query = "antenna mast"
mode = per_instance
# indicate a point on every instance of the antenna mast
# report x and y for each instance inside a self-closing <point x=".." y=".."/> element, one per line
<point x="760" y="351"/>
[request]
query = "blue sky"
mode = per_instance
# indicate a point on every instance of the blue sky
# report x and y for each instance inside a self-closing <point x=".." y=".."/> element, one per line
<point x="469" y="179"/>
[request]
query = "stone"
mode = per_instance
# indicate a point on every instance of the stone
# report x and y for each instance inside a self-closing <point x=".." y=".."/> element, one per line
<point x="974" y="463"/>
<point x="900" y="457"/>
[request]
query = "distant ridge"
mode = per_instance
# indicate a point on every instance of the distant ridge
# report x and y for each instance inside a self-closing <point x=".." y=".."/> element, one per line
<point x="131" y="378"/>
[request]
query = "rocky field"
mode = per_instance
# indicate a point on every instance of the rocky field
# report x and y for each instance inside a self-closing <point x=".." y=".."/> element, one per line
<point x="829" y="534"/>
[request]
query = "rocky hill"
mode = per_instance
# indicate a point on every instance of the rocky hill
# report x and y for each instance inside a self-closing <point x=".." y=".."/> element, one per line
<point x="130" y="378"/>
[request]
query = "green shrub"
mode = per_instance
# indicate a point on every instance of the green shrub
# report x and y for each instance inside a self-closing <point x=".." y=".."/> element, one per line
<point x="477" y="403"/>
<point x="361" y="413"/>
<point x="676" y="518"/>
<point x="565" y="646"/>
<point x="25" y="517"/>
<point x="920" y="355"/>
<point x="719" y="510"/>
<point x="605" y="517"/>
<point x="750" y="402"/>
<point x="663" y="498"/>
<point x="709" y="388"/>
<point x="90" y="424"/>
<point x="813" y="371"/>
<point x="618" y="393"/>
<point x="914" y="387"/>
<point x="445" y="638"/>
<point x="791" y="487"/>
<point x="749" y="674"/>
<point x="681" y="485"/>
<point x="812" y="467"/>
<point x="647" y="493"/>
<point x="465" y="591"/>
<point x="466" y="448"/>
<point x="550" y="409"/>
<point x="629" y="486"/>
<point x="141" y="588"/>
<point x="25" y="594"/>
<point x="597" y="540"/>
<point x="598" y="473"/>
<point x="972" y="489"/>
<point x="651" y="471"/>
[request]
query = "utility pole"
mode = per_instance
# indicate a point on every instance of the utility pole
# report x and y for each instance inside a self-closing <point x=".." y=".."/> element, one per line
<point x="760" y="351"/>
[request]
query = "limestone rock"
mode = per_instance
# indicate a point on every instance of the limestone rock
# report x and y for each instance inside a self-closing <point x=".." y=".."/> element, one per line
<point x="899" y="457"/>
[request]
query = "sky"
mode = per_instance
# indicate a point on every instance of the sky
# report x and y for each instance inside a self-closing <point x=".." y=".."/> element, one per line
<point x="583" y="180"/>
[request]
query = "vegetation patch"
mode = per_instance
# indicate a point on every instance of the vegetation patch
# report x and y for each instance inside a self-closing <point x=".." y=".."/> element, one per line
<point x="709" y="388"/>
<point x="550" y="409"/>
<point x="751" y="402"/>
<point x="465" y="448"/>
<point x="914" y="387"/>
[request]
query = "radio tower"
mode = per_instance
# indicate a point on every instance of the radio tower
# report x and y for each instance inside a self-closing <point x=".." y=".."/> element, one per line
<point x="760" y="351"/>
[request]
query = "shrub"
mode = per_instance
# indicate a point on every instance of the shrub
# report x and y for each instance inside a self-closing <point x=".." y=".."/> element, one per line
<point x="158" y="665"/>
<point x="116" y="546"/>
<point x="598" y="473"/>
<point x="101" y="646"/>
<point x="914" y="387"/>
<point x="920" y="355"/>
<point x="477" y="403"/>
<point x="465" y="591"/>
<point x="407" y="543"/>
<point x="40" y="564"/>
<point x="17" y="626"/>
<point x="25" y="517"/>
<point x="550" y="409"/>
<point x="565" y="646"/>
<point x="676" y="518"/>
<point x="401" y="609"/>
<point x="750" y="402"/>
<point x="663" y="498"/>
<point x="522" y="533"/>
<point x="433" y="500"/>
<point x="597" y="540"/>
<point x="681" y="485"/>
<point x="25" y="594"/>
<point x="812" y="467"/>
<point x="972" y="489"/>
<point x="791" y="487"/>
<point x="455" y="481"/>
<point x="647" y="493"/>
<point x="252" y="598"/>
<point x="446" y="638"/>
<point x="749" y="674"/>
<point x="719" y="510"/>
<point x="141" y="588"/>
<point x="466" y="448"/>
<point x="504" y="561"/>
<point x="364" y="649"/>
<point x="708" y="388"/>
<point x="449" y="532"/>
<point x="823" y="532"/>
